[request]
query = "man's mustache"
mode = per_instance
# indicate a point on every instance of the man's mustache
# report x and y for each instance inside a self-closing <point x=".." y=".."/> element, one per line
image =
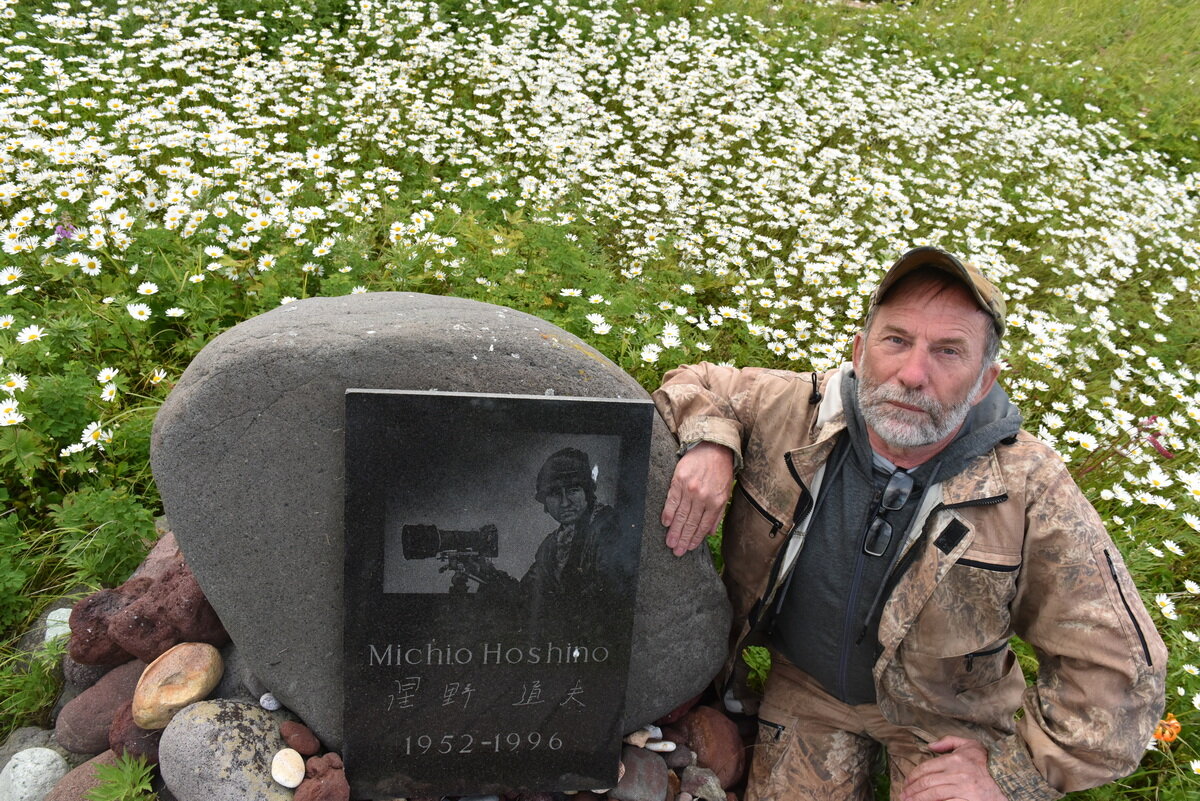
<point x="883" y="393"/>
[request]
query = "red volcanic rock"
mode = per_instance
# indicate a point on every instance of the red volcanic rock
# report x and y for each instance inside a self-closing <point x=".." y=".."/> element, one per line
<point x="324" y="780"/>
<point x="90" y="643"/>
<point x="299" y="737"/>
<point x="126" y="737"/>
<point x="160" y="607"/>
<point x="171" y="610"/>
<point x="717" y="743"/>
<point x="162" y="557"/>
<point x="83" y="724"/>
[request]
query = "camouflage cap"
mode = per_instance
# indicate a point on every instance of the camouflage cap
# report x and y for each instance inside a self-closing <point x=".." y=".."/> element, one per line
<point x="984" y="291"/>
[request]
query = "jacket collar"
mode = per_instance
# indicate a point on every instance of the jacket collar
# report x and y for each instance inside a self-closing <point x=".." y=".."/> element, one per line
<point x="827" y="423"/>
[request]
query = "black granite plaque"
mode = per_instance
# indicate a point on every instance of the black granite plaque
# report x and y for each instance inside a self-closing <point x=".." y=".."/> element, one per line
<point x="492" y="545"/>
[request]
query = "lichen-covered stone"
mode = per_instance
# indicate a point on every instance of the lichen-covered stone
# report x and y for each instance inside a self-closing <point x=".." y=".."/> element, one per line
<point x="221" y="751"/>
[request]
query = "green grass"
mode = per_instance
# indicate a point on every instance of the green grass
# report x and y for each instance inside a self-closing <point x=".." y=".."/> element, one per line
<point x="1138" y="61"/>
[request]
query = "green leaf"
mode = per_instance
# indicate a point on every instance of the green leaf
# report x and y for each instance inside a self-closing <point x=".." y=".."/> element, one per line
<point x="22" y="448"/>
<point x="128" y="779"/>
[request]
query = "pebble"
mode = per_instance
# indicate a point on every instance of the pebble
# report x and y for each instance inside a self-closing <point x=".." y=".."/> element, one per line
<point x="31" y="774"/>
<point x="182" y="675"/>
<point x="57" y="623"/>
<point x="662" y="746"/>
<point x="324" y="780"/>
<point x="301" y="738"/>
<point x="269" y="702"/>
<point x="638" y="738"/>
<point x="287" y="767"/>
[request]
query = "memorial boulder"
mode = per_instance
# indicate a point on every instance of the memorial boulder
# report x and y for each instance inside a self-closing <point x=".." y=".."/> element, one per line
<point x="249" y="455"/>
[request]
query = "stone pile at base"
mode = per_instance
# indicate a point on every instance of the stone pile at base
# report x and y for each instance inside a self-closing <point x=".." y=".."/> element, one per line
<point x="225" y="746"/>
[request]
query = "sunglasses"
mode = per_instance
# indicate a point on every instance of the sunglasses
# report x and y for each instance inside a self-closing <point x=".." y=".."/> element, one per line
<point x="895" y="495"/>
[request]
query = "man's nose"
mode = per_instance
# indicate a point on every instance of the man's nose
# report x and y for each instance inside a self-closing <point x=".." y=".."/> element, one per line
<point x="914" y="370"/>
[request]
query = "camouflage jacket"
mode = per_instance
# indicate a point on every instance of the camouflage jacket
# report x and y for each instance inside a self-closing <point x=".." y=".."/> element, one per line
<point x="1007" y="547"/>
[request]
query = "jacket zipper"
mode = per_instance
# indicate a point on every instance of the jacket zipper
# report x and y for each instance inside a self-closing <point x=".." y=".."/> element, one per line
<point x="802" y="507"/>
<point x="990" y="566"/>
<point x="775" y="524"/>
<point x="972" y="656"/>
<point x="787" y="459"/>
<point x="1128" y="610"/>
<point x="777" y="730"/>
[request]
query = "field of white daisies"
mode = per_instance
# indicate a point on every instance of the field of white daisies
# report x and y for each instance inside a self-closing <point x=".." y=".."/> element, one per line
<point x="671" y="188"/>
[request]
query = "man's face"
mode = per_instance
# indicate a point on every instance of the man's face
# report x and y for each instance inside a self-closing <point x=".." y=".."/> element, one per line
<point x="566" y="504"/>
<point x="919" y="367"/>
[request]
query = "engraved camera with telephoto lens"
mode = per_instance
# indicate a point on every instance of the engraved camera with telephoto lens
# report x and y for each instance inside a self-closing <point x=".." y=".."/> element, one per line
<point x="466" y="553"/>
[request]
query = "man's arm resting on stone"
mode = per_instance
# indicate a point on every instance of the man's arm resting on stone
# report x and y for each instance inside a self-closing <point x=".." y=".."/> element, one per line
<point x="709" y="408"/>
<point x="697" y="496"/>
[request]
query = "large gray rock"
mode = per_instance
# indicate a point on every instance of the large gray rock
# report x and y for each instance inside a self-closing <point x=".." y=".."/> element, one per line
<point x="248" y="455"/>
<point x="221" y="751"/>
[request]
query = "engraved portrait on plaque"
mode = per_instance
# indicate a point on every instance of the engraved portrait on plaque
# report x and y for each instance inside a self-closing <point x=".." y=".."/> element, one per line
<point x="491" y="554"/>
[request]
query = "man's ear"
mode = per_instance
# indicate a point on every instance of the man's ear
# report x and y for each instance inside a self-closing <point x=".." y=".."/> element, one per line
<point x="859" y="345"/>
<point x="989" y="380"/>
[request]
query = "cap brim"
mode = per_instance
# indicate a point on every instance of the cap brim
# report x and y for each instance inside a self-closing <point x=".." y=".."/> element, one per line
<point x="946" y="262"/>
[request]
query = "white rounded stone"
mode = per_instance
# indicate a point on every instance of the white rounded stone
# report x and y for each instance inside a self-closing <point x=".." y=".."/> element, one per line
<point x="58" y="623"/>
<point x="662" y="746"/>
<point x="287" y="767"/>
<point x="269" y="702"/>
<point x="31" y="774"/>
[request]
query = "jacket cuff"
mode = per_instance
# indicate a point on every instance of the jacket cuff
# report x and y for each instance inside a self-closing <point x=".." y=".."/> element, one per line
<point x="1013" y="770"/>
<point x="712" y="429"/>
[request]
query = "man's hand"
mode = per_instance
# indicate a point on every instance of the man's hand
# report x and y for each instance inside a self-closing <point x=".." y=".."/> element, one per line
<point x="699" y="490"/>
<point x="961" y="772"/>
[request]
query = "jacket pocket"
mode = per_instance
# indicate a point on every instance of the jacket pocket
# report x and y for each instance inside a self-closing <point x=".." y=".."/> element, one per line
<point x="1128" y="603"/>
<point x="968" y="611"/>
<point x="776" y="732"/>
<point x="750" y="544"/>
<point x="774" y="524"/>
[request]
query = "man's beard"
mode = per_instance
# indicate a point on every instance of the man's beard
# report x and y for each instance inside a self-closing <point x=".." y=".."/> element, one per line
<point x="901" y="428"/>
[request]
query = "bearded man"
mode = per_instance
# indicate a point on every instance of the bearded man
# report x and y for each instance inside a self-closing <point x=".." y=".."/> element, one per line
<point x="892" y="529"/>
